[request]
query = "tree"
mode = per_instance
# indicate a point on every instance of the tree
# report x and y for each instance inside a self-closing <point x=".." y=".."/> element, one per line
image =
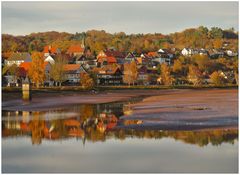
<point x="217" y="78"/>
<point x="12" y="70"/>
<point x="133" y="68"/>
<point x="177" y="66"/>
<point x="127" y="74"/>
<point x="217" y="43"/>
<point x="130" y="73"/>
<point x="166" y="77"/>
<point x="216" y="32"/>
<point x="57" y="72"/>
<point x="195" y="75"/>
<point x="202" y="61"/>
<point x="86" y="81"/>
<point x="37" y="69"/>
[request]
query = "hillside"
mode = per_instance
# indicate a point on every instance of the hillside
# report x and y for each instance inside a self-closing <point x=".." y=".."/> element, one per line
<point x="200" y="37"/>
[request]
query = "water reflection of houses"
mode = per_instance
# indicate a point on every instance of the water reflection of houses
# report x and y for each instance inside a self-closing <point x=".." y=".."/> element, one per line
<point x="95" y="123"/>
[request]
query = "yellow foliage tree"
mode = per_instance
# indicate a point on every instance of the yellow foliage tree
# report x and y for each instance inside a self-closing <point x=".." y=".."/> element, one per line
<point x="217" y="78"/>
<point x="86" y="81"/>
<point x="130" y="73"/>
<point x="37" y="70"/>
<point x="217" y="43"/>
<point x="166" y="77"/>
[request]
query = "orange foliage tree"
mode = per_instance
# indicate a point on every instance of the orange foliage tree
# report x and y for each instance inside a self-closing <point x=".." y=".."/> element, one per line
<point x="36" y="71"/>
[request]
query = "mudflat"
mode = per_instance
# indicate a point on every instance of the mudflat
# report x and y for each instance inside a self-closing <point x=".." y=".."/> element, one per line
<point x="187" y="109"/>
<point x="172" y="109"/>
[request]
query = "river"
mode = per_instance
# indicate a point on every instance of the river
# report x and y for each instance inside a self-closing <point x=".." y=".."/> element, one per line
<point x="100" y="139"/>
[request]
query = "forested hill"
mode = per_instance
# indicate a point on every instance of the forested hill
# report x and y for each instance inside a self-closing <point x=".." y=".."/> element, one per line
<point x="200" y="37"/>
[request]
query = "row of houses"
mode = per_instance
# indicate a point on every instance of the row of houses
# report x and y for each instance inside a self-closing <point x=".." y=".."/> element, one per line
<point x="212" y="53"/>
<point x="108" y="65"/>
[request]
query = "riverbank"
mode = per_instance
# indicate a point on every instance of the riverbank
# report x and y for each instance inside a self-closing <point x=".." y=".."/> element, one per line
<point x="187" y="110"/>
<point x="45" y="100"/>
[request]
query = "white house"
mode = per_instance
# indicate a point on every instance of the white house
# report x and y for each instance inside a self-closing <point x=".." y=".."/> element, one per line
<point x="49" y="59"/>
<point x="186" y="51"/>
<point x="18" y="58"/>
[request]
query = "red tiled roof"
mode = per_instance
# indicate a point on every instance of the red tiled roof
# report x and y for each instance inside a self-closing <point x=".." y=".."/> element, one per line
<point x="152" y="54"/>
<point x="108" y="69"/>
<point x="74" y="49"/>
<point x="50" y="49"/>
<point x="26" y="65"/>
<point x="110" y="60"/>
<point x="71" y="67"/>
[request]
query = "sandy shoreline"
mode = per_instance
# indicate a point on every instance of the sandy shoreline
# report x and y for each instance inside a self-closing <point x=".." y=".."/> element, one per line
<point x="189" y="109"/>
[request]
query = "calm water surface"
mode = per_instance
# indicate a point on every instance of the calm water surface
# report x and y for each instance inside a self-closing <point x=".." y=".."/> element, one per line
<point x="96" y="138"/>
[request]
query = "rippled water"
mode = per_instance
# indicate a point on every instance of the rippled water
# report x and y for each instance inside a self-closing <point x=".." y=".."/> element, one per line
<point x="96" y="138"/>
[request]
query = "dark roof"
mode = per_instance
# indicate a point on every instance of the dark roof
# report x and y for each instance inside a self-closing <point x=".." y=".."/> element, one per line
<point x="114" y="53"/>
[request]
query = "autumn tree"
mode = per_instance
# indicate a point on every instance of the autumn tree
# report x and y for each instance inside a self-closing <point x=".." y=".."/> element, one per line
<point x="130" y="73"/>
<point x="177" y="66"/>
<point x="57" y="72"/>
<point x="217" y="43"/>
<point x="86" y="81"/>
<point x="37" y="69"/>
<point x="195" y="75"/>
<point x="165" y="76"/>
<point x="202" y="61"/>
<point x="217" y="78"/>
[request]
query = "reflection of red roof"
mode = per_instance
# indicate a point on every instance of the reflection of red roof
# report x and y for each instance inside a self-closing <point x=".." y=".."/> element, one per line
<point x="111" y="125"/>
<point x="50" y="49"/>
<point x="24" y="127"/>
<point x="75" y="49"/>
<point x="76" y="133"/>
<point x="71" y="122"/>
<point x="113" y="119"/>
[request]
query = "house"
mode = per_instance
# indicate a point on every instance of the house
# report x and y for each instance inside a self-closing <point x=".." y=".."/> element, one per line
<point x="18" y="58"/>
<point x="188" y="51"/>
<point x="72" y="73"/>
<point x="230" y="53"/>
<point x="143" y="75"/>
<point x="109" y="75"/>
<point x="215" y="53"/>
<point x="159" y="58"/>
<point x="81" y="59"/>
<point x="49" y="59"/>
<point x="169" y="52"/>
<point x="75" y="50"/>
<point x="107" y="60"/>
<point x="130" y="58"/>
<point x="50" y="50"/>
<point x="203" y="52"/>
<point x="119" y="56"/>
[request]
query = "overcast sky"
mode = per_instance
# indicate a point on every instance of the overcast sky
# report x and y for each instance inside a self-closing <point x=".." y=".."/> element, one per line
<point x="20" y="18"/>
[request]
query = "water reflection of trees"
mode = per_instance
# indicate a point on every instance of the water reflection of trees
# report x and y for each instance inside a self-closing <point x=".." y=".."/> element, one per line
<point x="98" y="123"/>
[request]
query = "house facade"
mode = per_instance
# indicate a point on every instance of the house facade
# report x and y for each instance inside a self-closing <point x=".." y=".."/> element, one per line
<point x="72" y="73"/>
<point x="18" y="58"/>
<point x="109" y="75"/>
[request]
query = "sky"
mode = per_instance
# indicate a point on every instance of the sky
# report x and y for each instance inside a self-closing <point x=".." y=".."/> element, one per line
<point x="22" y="18"/>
